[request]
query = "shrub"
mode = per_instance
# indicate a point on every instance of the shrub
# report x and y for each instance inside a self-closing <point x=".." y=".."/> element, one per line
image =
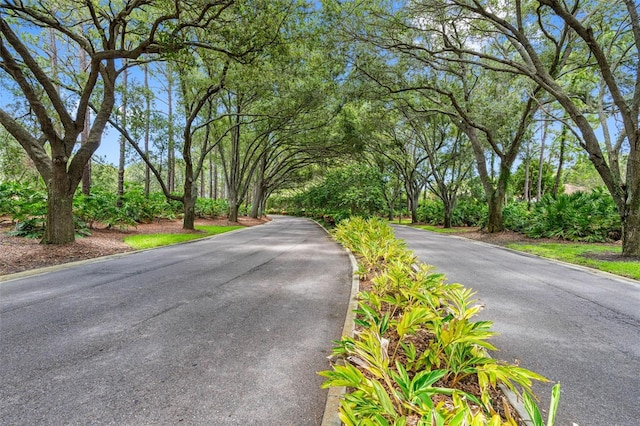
<point x="580" y="216"/>
<point x="22" y="201"/>
<point x="470" y="212"/>
<point x="467" y="212"/>
<point x="208" y="207"/>
<point x="516" y="216"/>
<point x="431" y="212"/>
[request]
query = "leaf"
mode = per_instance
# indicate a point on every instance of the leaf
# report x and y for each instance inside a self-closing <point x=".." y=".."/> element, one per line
<point x="533" y="410"/>
<point x="553" y="406"/>
<point x="383" y="398"/>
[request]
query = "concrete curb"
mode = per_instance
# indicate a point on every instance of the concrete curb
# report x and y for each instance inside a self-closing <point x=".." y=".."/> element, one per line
<point x="330" y="416"/>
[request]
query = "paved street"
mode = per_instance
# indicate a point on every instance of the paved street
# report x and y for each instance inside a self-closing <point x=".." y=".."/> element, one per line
<point x="569" y="324"/>
<point x="229" y="330"/>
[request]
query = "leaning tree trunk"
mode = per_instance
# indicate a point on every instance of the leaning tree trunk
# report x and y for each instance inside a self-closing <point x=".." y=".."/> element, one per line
<point x="258" y="201"/>
<point x="60" y="228"/>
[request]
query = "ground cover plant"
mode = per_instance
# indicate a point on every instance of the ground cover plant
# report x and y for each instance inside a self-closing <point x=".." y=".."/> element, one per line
<point x="418" y="357"/>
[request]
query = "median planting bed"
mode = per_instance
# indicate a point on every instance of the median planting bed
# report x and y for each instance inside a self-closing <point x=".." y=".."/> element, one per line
<point x="417" y="356"/>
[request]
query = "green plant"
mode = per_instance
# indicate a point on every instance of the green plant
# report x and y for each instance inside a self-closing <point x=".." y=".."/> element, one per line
<point x="516" y="216"/>
<point x="22" y="201"/>
<point x="208" y="207"/>
<point x="534" y="412"/>
<point x="576" y="217"/>
<point x="417" y="343"/>
<point x="29" y="228"/>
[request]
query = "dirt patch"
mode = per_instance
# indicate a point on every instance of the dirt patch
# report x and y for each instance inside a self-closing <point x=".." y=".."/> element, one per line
<point x="499" y="238"/>
<point x="21" y="254"/>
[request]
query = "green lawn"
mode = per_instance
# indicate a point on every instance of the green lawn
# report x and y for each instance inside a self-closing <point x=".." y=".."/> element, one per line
<point x="145" y="241"/>
<point x="578" y="253"/>
<point x="442" y="230"/>
<point x="581" y="254"/>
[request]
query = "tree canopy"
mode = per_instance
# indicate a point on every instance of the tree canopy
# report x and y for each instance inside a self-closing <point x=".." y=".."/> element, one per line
<point x="248" y="98"/>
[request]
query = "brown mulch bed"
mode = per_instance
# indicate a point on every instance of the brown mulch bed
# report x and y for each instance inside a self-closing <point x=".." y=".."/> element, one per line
<point x="19" y="254"/>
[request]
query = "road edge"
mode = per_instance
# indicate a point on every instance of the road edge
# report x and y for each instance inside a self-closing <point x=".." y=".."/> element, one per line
<point x="62" y="266"/>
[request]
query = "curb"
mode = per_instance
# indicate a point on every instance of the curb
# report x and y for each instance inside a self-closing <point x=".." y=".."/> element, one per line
<point x="331" y="410"/>
<point x="62" y="266"/>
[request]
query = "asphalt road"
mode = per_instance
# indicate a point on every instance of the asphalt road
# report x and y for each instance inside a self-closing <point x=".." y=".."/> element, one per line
<point x="229" y="330"/>
<point x="566" y="323"/>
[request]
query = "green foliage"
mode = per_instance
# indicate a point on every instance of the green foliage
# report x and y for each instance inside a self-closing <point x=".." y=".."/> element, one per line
<point x="467" y="212"/>
<point x="102" y="206"/>
<point x="580" y="216"/>
<point x="22" y="201"/>
<point x="470" y="212"/>
<point x="534" y="411"/>
<point x="373" y="240"/>
<point x="26" y="205"/>
<point x="351" y="190"/>
<point x="516" y="216"/>
<point x="517" y="179"/>
<point x="32" y="227"/>
<point x="431" y="211"/>
<point x="208" y="207"/>
<point x="416" y="344"/>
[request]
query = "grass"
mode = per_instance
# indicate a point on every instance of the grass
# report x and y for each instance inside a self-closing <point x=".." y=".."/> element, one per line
<point x="146" y="241"/>
<point x="579" y="254"/>
<point x="441" y="230"/>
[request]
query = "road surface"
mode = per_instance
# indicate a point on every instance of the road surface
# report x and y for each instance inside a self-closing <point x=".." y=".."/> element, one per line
<point x="566" y="323"/>
<point x="229" y="330"/>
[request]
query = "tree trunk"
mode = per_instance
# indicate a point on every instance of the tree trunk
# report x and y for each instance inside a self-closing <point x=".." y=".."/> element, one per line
<point x="563" y="141"/>
<point x="84" y="136"/>
<point x="121" y="163"/>
<point x="234" y="207"/>
<point x="543" y="143"/>
<point x="631" y="230"/>
<point x="494" y="223"/>
<point x="171" y="155"/>
<point x="413" y="205"/>
<point x="495" y="202"/>
<point x="449" y="205"/>
<point x="60" y="228"/>
<point x="147" y="131"/>
<point x="189" y="200"/>
<point x="258" y="201"/>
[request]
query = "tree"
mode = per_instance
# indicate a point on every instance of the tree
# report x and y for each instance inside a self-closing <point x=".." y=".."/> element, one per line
<point x="561" y="46"/>
<point x="448" y="152"/>
<point x="108" y="33"/>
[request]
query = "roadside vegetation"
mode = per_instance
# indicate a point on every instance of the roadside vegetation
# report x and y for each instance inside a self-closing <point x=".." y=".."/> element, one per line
<point x="146" y="241"/>
<point x="24" y="204"/>
<point x="598" y="256"/>
<point x="418" y="356"/>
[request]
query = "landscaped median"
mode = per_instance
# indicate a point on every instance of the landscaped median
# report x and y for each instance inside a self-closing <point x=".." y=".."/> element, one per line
<point x="417" y="356"/>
